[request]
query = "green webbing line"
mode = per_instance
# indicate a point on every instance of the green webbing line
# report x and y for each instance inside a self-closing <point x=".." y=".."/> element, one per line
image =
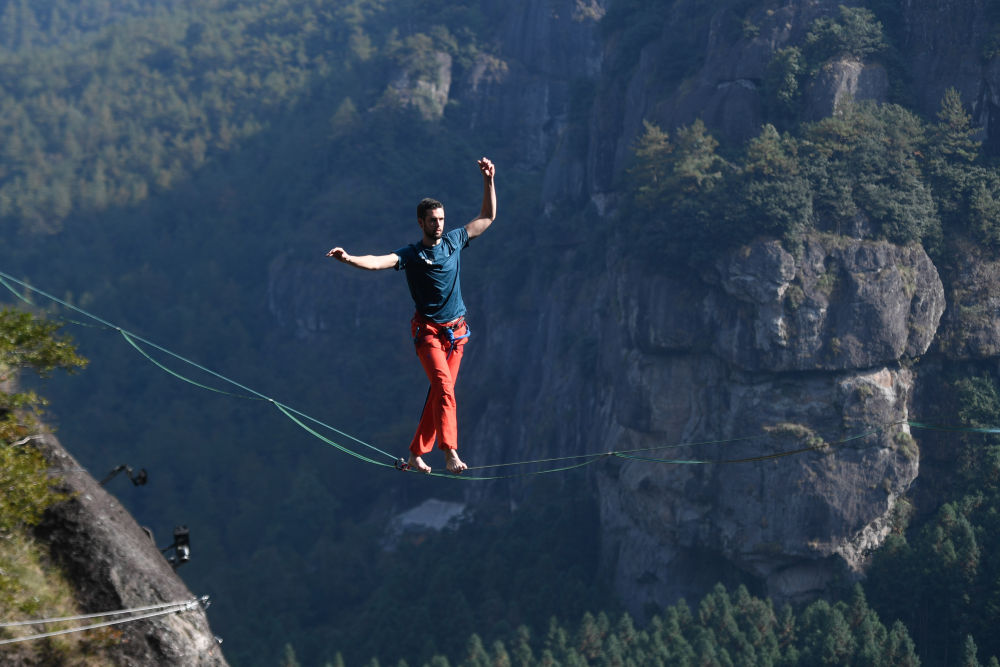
<point x="256" y="394"/>
<point x="28" y="301"/>
<point x="473" y="478"/>
<point x="534" y="461"/>
<point x="53" y="298"/>
<point x="761" y="457"/>
<point x="325" y="439"/>
<point x="954" y="429"/>
<point x="619" y="452"/>
<point x="298" y="416"/>
<point x="128" y="337"/>
<point x="20" y="296"/>
<point x="133" y="338"/>
<point x="338" y="431"/>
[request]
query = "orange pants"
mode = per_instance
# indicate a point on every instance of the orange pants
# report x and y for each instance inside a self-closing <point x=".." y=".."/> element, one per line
<point x="441" y="361"/>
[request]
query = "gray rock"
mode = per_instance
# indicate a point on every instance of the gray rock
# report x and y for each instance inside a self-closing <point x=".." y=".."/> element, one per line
<point x="845" y="81"/>
<point x="844" y="304"/>
<point x="794" y="523"/>
<point x="114" y="564"/>
<point x="970" y="328"/>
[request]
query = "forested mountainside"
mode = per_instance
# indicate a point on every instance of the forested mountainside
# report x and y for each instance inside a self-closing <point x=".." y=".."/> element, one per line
<point x="770" y="226"/>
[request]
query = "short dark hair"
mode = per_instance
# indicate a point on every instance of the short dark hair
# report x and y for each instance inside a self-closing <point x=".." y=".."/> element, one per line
<point x="427" y="204"/>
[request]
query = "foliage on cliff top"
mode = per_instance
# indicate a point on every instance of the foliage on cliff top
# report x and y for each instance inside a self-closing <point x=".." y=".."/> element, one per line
<point x="27" y="342"/>
<point x="870" y="170"/>
<point x="30" y="585"/>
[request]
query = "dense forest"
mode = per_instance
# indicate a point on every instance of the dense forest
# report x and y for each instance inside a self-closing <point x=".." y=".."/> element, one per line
<point x="157" y="156"/>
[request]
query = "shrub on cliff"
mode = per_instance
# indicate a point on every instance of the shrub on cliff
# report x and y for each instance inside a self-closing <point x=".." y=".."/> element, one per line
<point x="29" y="586"/>
<point x="26" y="342"/>
<point x="869" y="171"/>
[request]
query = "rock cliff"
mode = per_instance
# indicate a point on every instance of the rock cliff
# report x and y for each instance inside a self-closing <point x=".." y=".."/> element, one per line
<point x="820" y="347"/>
<point x="114" y="564"/>
<point x="625" y="355"/>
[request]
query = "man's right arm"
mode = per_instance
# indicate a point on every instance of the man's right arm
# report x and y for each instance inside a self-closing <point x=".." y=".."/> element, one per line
<point x="368" y="262"/>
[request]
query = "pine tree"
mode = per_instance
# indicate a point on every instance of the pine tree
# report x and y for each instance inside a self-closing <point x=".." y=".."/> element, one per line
<point x="499" y="656"/>
<point x="289" y="657"/>
<point x="970" y="654"/>
<point x="589" y="637"/>
<point x="825" y="635"/>
<point x="475" y="653"/>
<point x="952" y="154"/>
<point x="774" y="196"/>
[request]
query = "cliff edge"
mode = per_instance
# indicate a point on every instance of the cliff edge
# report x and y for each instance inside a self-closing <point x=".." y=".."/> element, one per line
<point x="114" y="564"/>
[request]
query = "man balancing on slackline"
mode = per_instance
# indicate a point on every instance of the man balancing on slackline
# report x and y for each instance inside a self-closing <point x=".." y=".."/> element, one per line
<point x="438" y="328"/>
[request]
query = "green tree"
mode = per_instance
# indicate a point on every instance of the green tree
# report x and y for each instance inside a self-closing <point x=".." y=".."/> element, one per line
<point x="826" y="635"/>
<point x="970" y="654"/>
<point x="783" y="83"/>
<point x="774" y="196"/>
<point x="936" y="577"/>
<point x="27" y="342"/>
<point x="855" y="33"/>
<point x="675" y="183"/>
<point x="31" y="343"/>
<point x="863" y="161"/>
<point x="475" y="653"/>
<point x="960" y="185"/>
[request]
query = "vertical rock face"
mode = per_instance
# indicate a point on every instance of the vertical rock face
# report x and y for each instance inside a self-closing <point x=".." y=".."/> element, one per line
<point x="943" y="41"/>
<point x="115" y="565"/>
<point x="970" y="328"/>
<point x="526" y="96"/>
<point x="748" y="354"/>
<point x="844" y="81"/>
<point x="845" y="304"/>
<point x="778" y="349"/>
<point x="741" y="360"/>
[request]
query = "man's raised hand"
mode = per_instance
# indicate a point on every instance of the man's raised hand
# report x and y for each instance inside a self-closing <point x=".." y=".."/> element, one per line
<point x="486" y="166"/>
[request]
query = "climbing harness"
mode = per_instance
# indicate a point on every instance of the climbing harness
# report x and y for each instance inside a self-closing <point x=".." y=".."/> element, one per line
<point x="445" y="332"/>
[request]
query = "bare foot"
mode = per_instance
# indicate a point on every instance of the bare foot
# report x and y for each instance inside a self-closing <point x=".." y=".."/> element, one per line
<point x="417" y="463"/>
<point x="453" y="463"/>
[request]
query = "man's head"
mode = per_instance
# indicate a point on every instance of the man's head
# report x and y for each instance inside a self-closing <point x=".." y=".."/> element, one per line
<point x="427" y="204"/>
<point x="430" y="217"/>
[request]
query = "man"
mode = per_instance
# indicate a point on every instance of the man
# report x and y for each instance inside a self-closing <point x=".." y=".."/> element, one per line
<point x="438" y="327"/>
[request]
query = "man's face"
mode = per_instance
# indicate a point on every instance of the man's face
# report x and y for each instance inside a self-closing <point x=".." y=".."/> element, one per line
<point x="433" y="224"/>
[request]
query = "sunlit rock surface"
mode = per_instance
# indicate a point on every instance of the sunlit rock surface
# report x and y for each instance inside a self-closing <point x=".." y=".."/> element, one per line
<point x="114" y="564"/>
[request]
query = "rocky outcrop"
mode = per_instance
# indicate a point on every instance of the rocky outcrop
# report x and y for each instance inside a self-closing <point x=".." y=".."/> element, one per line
<point x="114" y="564"/>
<point x="845" y="304"/>
<point x="753" y="354"/>
<point x="424" y="88"/>
<point x="767" y="351"/>
<point x="845" y="81"/>
<point x="791" y="524"/>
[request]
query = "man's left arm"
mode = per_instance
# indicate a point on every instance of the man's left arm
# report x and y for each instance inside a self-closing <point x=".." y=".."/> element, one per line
<point x="488" y="211"/>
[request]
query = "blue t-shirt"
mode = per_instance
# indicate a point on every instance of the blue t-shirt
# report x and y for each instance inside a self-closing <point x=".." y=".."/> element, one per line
<point x="433" y="276"/>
